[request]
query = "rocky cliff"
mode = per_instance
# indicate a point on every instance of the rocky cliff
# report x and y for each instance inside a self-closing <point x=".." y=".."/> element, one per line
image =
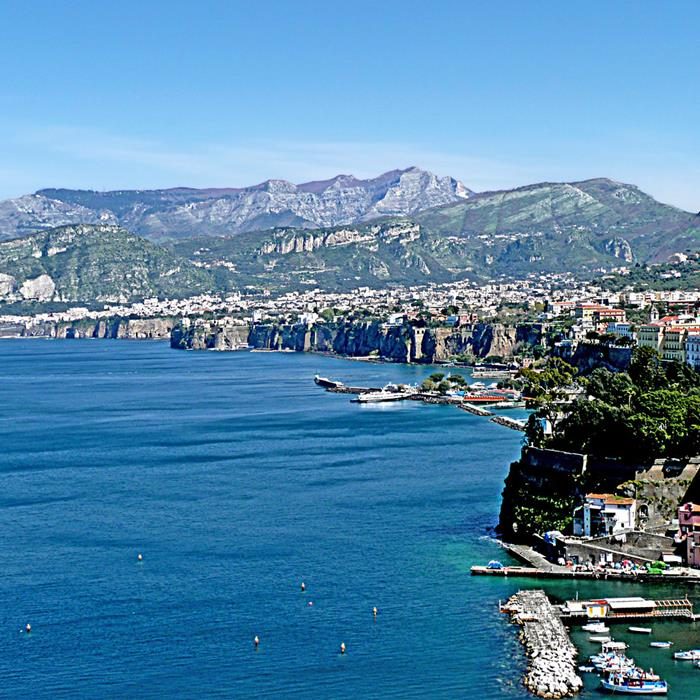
<point x="403" y="343"/>
<point x="122" y="328"/>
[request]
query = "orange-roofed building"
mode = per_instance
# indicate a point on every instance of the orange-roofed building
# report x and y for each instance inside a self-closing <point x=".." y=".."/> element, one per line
<point x="604" y="514"/>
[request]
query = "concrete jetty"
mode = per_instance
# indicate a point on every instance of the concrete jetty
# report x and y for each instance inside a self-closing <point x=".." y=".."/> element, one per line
<point x="552" y="671"/>
<point x="476" y="410"/>
<point x="509" y="423"/>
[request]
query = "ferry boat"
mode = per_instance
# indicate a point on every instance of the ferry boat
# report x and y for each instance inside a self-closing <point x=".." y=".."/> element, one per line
<point x="633" y="686"/>
<point x="390" y="392"/>
<point x="692" y="655"/>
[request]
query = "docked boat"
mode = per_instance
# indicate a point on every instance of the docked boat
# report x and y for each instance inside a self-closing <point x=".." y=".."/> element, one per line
<point x="596" y="627"/>
<point x="640" y="630"/>
<point x="692" y="655"/>
<point x="390" y="392"/>
<point x="661" y="645"/>
<point x="602" y="640"/>
<point x="633" y="686"/>
<point x="612" y="645"/>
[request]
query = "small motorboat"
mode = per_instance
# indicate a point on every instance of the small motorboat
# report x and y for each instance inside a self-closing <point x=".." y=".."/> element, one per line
<point x="586" y="669"/>
<point x="612" y="645"/>
<point x="640" y="630"/>
<point x="602" y="640"/>
<point x="692" y="655"/>
<point x="596" y="627"/>
<point x="661" y="645"/>
<point x="633" y="686"/>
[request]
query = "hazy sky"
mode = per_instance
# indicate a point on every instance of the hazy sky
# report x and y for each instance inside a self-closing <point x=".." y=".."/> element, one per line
<point x="109" y="95"/>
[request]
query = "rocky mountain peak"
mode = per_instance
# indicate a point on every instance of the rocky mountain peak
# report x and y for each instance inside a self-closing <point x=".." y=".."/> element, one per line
<point x="185" y="212"/>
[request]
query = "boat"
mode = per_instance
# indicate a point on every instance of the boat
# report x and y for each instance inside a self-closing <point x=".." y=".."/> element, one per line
<point x="602" y="640"/>
<point x="327" y="383"/>
<point x="598" y="627"/>
<point x="618" y="683"/>
<point x="640" y="630"/>
<point x="661" y="645"/>
<point x="612" y="645"/>
<point x="692" y="655"/>
<point x="586" y="669"/>
<point x="390" y="392"/>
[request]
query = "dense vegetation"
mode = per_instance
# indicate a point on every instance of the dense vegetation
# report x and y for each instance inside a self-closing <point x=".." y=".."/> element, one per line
<point x="652" y="410"/>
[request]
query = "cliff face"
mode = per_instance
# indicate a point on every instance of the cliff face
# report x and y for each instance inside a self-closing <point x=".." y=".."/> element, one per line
<point x="130" y="329"/>
<point x="589" y="355"/>
<point x="361" y="339"/>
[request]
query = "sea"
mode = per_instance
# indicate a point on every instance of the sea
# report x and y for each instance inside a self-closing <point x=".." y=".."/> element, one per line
<point x="236" y="479"/>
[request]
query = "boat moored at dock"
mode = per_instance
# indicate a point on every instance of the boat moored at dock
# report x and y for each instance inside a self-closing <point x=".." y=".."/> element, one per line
<point x="391" y="392"/>
<point x="620" y="683"/>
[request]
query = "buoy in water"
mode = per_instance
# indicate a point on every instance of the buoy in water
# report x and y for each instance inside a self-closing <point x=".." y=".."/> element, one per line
<point x="256" y="641"/>
<point x="27" y="628"/>
<point x="310" y="603"/>
<point x="342" y="647"/>
<point x="303" y="586"/>
<point x="139" y="556"/>
<point x="375" y="611"/>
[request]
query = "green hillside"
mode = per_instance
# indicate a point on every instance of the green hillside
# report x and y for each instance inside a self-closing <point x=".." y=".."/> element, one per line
<point x="91" y="263"/>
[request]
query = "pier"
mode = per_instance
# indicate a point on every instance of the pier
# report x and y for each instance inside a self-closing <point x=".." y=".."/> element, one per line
<point x="552" y="671"/>
<point x="474" y="409"/>
<point x="509" y="423"/>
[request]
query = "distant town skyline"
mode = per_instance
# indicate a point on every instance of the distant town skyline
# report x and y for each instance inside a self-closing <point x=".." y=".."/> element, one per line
<point x="219" y="94"/>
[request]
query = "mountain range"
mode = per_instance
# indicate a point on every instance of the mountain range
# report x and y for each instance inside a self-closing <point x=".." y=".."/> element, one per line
<point x="403" y="227"/>
<point x="186" y="212"/>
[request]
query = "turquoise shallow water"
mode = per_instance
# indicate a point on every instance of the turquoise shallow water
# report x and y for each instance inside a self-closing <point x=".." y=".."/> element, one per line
<point x="238" y="478"/>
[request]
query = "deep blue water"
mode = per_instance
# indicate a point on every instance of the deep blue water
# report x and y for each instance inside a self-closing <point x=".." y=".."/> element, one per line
<point x="238" y="478"/>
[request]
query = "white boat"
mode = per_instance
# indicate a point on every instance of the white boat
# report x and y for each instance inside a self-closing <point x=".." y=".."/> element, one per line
<point x="692" y="655"/>
<point x="602" y="640"/>
<point x="640" y="630"/>
<point x="633" y="686"/>
<point x="612" y="645"/>
<point x="389" y="393"/>
<point x="596" y="627"/>
<point x="661" y="645"/>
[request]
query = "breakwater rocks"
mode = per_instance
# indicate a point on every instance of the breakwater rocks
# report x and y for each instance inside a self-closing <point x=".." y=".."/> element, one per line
<point x="552" y="669"/>
<point x="394" y="343"/>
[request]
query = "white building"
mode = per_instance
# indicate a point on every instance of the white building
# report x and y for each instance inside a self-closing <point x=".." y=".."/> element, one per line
<point x="604" y="514"/>
<point x="623" y="330"/>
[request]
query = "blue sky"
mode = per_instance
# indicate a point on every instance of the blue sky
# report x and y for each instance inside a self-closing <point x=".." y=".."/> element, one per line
<point x="108" y="95"/>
